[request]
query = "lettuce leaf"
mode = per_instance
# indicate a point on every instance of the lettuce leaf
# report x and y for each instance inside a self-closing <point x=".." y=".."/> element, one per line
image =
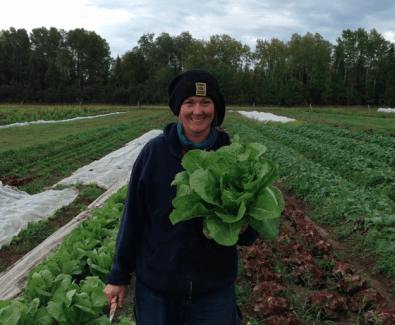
<point x="228" y="188"/>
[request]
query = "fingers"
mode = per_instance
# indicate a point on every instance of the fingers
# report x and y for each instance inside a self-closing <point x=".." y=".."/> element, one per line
<point x="115" y="294"/>
<point x="121" y="296"/>
<point x="244" y="228"/>
<point x="111" y="292"/>
<point x="107" y="293"/>
<point x="113" y="304"/>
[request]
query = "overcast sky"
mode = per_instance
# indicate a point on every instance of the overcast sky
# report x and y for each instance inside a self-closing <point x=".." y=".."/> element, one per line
<point x="122" y="22"/>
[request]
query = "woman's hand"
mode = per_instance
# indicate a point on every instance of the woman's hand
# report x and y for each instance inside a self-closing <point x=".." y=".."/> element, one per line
<point x="118" y="292"/>
<point x="243" y="229"/>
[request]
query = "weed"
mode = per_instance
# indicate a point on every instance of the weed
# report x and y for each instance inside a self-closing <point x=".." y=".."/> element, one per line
<point x="3" y="266"/>
<point x="312" y="314"/>
<point x="243" y="293"/>
<point x="15" y="240"/>
<point x="307" y="279"/>
<point x="252" y="321"/>
<point x="326" y="265"/>
<point x="35" y="230"/>
<point x="291" y="297"/>
<point x="123" y="320"/>
<point x="277" y="268"/>
<point x="5" y="247"/>
<point x="59" y="187"/>
<point x="90" y="192"/>
<point x="342" y="232"/>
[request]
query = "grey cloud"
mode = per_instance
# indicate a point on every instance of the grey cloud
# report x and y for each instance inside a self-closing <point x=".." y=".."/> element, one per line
<point x="116" y="4"/>
<point x="245" y="20"/>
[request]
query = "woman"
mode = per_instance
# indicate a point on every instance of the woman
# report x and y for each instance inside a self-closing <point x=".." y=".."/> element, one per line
<point x="181" y="276"/>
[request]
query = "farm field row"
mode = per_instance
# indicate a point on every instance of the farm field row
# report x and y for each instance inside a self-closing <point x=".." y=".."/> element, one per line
<point x="365" y="165"/>
<point x="351" y="118"/>
<point x="41" y="165"/>
<point x="78" y="143"/>
<point x="346" y="189"/>
<point x="297" y="279"/>
<point x="319" y="184"/>
<point x="302" y="277"/>
<point x="36" y="232"/>
<point x="28" y="113"/>
<point x="68" y="287"/>
<point x="17" y="138"/>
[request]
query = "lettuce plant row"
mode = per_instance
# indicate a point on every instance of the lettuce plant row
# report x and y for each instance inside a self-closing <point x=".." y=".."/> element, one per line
<point x="379" y="140"/>
<point x="68" y="286"/>
<point x="319" y="184"/>
<point x="362" y="170"/>
<point x="336" y="199"/>
<point x="358" y="143"/>
<point x="298" y="279"/>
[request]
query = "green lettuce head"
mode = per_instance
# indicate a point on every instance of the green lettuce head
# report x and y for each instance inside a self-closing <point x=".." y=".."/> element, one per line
<point x="228" y="188"/>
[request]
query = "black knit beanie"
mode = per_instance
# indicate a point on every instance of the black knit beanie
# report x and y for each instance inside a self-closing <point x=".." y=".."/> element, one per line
<point x="196" y="83"/>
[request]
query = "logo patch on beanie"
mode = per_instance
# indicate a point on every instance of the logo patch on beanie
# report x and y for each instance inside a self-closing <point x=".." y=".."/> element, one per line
<point x="201" y="89"/>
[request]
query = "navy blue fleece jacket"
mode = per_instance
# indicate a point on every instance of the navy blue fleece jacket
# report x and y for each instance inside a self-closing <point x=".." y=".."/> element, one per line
<point x="179" y="258"/>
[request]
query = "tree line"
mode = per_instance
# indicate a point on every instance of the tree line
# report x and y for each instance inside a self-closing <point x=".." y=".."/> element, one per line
<point x="58" y="66"/>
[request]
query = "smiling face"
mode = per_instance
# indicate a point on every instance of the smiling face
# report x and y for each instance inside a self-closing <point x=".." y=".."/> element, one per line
<point x="197" y="114"/>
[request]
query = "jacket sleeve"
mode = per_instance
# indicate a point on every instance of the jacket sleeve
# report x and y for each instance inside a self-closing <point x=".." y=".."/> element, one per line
<point x="248" y="237"/>
<point x="131" y="228"/>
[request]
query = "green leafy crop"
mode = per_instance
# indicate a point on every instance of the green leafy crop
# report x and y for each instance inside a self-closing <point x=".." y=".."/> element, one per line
<point x="228" y="188"/>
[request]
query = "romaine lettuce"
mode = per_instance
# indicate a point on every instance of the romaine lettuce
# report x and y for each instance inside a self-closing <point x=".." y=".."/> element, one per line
<point x="228" y="188"/>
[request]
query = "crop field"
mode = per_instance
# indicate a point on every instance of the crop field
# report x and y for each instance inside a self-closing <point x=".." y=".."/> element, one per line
<point x="36" y="156"/>
<point x="333" y="262"/>
<point x="26" y="113"/>
<point x="351" y="118"/>
<point x="345" y="180"/>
